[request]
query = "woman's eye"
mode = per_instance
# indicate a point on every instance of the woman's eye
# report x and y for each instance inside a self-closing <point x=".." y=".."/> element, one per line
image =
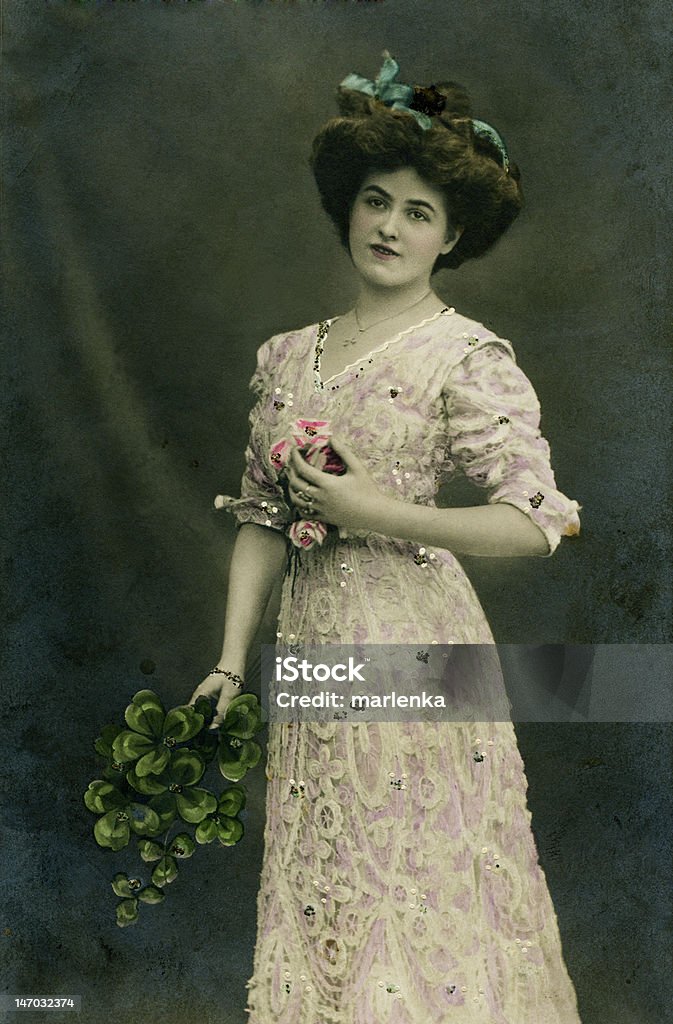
<point x="418" y="215"/>
<point x="373" y="201"/>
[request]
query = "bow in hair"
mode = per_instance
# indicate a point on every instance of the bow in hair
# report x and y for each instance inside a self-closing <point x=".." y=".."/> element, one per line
<point x="418" y="101"/>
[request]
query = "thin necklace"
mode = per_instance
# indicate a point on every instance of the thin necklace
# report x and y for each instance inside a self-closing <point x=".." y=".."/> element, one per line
<point x="362" y="330"/>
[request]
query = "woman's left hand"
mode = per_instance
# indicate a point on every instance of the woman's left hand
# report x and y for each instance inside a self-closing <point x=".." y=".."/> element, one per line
<point x="349" y="500"/>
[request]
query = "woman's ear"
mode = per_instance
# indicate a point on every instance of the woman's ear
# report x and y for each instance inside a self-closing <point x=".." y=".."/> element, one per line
<point x="453" y="240"/>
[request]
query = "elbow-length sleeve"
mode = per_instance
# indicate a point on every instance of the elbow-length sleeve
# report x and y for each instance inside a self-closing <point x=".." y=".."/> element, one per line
<point x="262" y="499"/>
<point x="494" y="431"/>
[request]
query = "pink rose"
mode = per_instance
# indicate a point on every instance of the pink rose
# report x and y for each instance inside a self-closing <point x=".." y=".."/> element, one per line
<point x="311" y="437"/>
<point x="323" y="457"/>
<point x="304" y="533"/>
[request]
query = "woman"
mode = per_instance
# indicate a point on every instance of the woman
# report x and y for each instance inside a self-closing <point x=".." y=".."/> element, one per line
<point x="400" y="880"/>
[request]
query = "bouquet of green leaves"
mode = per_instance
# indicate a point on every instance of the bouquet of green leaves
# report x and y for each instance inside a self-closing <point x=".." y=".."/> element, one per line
<point x="149" y="787"/>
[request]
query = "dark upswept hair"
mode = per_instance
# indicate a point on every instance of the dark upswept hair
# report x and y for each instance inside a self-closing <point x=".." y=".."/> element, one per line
<point x="481" y="196"/>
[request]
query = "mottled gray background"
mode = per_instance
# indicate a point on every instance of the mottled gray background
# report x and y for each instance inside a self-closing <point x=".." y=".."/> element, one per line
<point x="159" y="222"/>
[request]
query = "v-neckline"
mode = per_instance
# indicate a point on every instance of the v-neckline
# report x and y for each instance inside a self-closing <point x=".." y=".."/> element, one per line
<point x="322" y="332"/>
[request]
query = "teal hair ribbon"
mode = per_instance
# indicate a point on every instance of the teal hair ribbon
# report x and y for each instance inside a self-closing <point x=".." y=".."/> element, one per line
<point x="487" y="131"/>
<point x="394" y="94"/>
<point x="385" y="89"/>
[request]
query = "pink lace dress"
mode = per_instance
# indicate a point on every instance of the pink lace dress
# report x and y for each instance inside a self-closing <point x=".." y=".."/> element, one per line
<point x="400" y="881"/>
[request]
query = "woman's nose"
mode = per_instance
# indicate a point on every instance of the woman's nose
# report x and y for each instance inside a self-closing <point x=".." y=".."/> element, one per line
<point x="388" y="224"/>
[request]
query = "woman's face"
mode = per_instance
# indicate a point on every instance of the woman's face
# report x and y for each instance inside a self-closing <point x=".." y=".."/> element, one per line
<point x="398" y="228"/>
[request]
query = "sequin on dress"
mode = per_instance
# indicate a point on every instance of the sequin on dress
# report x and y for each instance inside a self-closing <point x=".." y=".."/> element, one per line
<point x="400" y="881"/>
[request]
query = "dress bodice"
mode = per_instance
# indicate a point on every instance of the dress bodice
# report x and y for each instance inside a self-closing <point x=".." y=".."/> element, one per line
<point x="443" y="396"/>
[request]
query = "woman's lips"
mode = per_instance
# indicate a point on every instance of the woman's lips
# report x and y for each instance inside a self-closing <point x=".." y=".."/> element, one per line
<point x="383" y="252"/>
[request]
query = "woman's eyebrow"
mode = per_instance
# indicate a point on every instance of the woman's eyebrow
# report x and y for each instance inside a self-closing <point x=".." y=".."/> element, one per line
<point x="387" y="195"/>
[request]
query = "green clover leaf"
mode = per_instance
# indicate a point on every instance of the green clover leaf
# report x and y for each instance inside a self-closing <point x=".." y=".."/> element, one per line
<point x="127" y="912"/>
<point x="165" y="872"/>
<point x="164" y="807"/>
<point x="236" y="757"/>
<point x="149" y="785"/>
<point x="103" y="743"/>
<point x="153" y="733"/>
<point x="150" y="851"/>
<point x="223" y="823"/>
<point x="243" y="717"/>
<point x="174" y="791"/>
<point x="103" y="796"/>
<point x="120" y="815"/>
<point x="131" y="889"/>
<point x="182" y="847"/>
<point x="206" y="831"/>
<point x="151" y="894"/>
<point x="229" y="831"/>
<point x="114" y="828"/>
<point x="125" y="886"/>
<point x="145" y="714"/>
<point x="231" y="801"/>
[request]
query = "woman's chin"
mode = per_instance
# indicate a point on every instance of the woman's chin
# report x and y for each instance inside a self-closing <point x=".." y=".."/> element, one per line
<point x="382" y="275"/>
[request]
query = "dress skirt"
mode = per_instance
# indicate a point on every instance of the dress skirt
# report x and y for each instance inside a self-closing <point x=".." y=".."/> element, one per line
<point x="400" y="880"/>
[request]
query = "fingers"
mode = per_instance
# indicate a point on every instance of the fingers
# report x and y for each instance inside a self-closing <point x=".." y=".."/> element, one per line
<point x="296" y="478"/>
<point x="220" y="711"/>
<point x="298" y="498"/>
<point x="213" y="688"/>
<point x="302" y="471"/>
<point x="303" y="491"/>
<point x="347" y="454"/>
<point x="207" y="688"/>
<point x="299" y="494"/>
<point x="223" y="703"/>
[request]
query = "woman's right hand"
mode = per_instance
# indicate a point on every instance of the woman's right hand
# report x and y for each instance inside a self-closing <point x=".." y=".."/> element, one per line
<point x="222" y="689"/>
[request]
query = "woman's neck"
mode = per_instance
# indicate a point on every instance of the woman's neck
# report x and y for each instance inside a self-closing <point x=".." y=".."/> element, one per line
<point x="374" y="304"/>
